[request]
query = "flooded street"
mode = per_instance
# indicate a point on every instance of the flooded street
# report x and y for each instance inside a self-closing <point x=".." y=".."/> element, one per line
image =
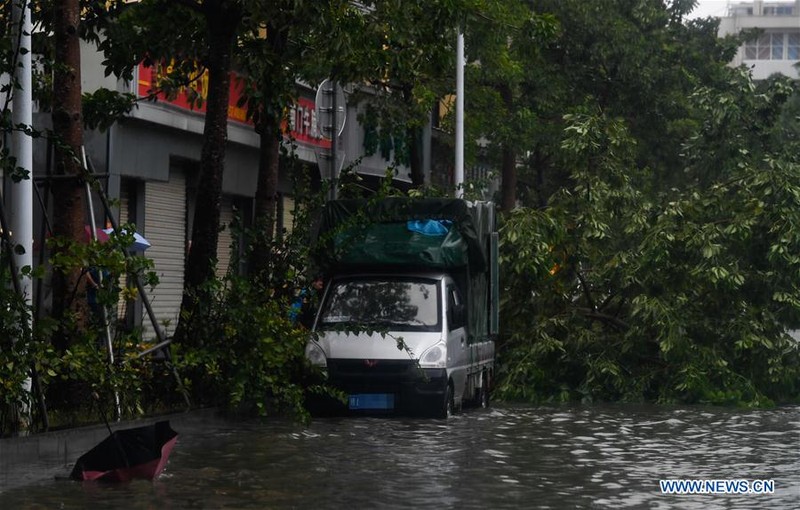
<point x="504" y="457"/>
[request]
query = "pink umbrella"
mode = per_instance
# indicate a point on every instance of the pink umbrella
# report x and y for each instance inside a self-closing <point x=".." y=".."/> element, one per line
<point x="102" y="236"/>
<point x="140" y="452"/>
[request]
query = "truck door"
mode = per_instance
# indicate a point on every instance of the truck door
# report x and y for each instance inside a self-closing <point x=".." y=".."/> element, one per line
<point x="457" y="349"/>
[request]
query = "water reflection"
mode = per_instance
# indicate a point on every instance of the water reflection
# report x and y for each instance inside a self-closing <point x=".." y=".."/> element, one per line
<point x="506" y="457"/>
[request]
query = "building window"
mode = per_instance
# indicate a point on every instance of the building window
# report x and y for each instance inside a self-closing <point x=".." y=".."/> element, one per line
<point x="764" y="42"/>
<point x="774" y="46"/>
<point x="793" y="46"/>
<point x="782" y="10"/>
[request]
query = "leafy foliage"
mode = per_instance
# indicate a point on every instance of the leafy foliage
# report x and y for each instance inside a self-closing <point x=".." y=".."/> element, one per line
<point x="102" y="108"/>
<point x="79" y="371"/>
<point x="403" y="56"/>
<point x="684" y="295"/>
<point x="657" y="257"/>
<point x="250" y="354"/>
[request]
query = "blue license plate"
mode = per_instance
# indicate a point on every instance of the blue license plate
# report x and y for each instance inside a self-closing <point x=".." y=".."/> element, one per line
<point x="372" y="401"/>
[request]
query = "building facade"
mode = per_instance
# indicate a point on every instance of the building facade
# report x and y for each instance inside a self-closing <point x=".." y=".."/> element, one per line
<point x="777" y="48"/>
<point x="151" y="162"/>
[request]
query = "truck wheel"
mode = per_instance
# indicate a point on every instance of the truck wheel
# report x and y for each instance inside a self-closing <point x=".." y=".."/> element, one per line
<point x="483" y="394"/>
<point x="448" y="404"/>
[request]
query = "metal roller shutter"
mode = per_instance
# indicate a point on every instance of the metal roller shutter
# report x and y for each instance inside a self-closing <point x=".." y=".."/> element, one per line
<point x="288" y="214"/>
<point x="122" y="305"/>
<point x="165" y="228"/>
<point x="225" y="237"/>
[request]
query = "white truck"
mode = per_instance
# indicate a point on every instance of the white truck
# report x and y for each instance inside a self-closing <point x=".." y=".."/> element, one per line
<point x="410" y="309"/>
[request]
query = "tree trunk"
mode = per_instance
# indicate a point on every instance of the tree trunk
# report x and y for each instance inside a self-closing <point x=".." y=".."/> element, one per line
<point x="415" y="157"/>
<point x="222" y="19"/>
<point x="509" y="165"/>
<point x="266" y="197"/>
<point x="538" y="167"/>
<point x="68" y="195"/>
<point x="269" y="129"/>
<point x="509" y="171"/>
<point x="414" y="141"/>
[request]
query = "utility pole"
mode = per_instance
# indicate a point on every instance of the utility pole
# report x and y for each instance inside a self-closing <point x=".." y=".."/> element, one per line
<point x="459" y="170"/>
<point x="331" y="110"/>
<point x="21" y="192"/>
<point x="334" y="141"/>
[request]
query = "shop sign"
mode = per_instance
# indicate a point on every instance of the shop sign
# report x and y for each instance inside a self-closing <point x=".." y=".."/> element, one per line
<point x="300" y="122"/>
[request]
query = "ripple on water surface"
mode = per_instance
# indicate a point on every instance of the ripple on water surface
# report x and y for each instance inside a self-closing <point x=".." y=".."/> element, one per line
<point x="504" y="457"/>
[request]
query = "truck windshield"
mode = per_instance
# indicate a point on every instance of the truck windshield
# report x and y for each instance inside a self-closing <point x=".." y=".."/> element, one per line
<point x="393" y="304"/>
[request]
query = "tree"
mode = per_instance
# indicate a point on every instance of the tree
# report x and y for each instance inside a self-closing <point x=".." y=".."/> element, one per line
<point x="406" y="57"/>
<point x="222" y="19"/>
<point x="148" y="32"/>
<point x="274" y="51"/>
<point x="275" y="88"/>
<point x="68" y="194"/>
<point x="645" y="286"/>
<point x="636" y="59"/>
<point x="347" y="43"/>
<point x="270" y="48"/>
<point x="504" y="46"/>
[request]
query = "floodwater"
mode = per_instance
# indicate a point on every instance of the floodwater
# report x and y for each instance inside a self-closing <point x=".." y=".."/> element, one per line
<point x="503" y="457"/>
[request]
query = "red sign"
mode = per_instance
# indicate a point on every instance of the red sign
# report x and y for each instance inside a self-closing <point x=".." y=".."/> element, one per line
<point x="300" y="122"/>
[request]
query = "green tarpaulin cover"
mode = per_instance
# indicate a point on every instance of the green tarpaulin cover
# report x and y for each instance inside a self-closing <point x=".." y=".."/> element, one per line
<point x="394" y="244"/>
<point x="375" y="233"/>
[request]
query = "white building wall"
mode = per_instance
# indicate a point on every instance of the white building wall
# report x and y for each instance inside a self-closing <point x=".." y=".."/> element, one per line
<point x="763" y="15"/>
<point x="92" y="75"/>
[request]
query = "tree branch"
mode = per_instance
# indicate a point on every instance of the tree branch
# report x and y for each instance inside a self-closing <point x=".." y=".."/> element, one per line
<point x="494" y="21"/>
<point x="153" y="95"/>
<point x="189" y="4"/>
<point x="602" y="317"/>
<point x="586" y="290"/>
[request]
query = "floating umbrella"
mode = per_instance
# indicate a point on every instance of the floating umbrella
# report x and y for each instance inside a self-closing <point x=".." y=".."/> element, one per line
<point x="140" y="452"/>
<point x="139" y="242"/>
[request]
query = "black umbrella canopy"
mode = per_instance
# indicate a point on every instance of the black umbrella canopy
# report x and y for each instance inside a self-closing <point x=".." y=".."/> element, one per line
<point x="140" y="452"/>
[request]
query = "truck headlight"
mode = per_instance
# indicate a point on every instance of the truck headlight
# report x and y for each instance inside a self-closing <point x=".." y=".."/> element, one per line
<point x="316" y="355"/>
<point x="434" y="356"/>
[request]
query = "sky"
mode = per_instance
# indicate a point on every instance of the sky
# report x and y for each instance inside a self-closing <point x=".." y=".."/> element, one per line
<point x="710" y="8"/>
